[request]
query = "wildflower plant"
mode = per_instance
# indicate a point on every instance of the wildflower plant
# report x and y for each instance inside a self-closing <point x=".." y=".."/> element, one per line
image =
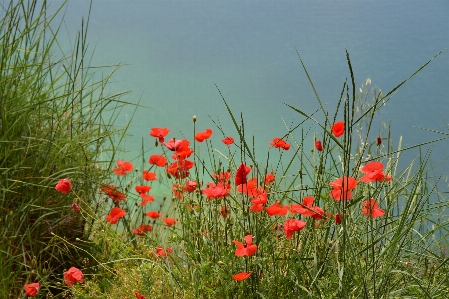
<point x="342" y="226"/>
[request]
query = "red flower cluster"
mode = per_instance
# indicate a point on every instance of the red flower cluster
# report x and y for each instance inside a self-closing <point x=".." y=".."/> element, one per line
<point x="280" y="143"/>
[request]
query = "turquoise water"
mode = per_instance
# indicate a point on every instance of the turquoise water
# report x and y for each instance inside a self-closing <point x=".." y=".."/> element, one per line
<point x="175" y="51"/>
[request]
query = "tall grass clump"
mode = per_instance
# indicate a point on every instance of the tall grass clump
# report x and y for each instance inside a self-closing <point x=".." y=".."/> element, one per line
<point x="332" y="215"/>
<point x="55" y="123"/>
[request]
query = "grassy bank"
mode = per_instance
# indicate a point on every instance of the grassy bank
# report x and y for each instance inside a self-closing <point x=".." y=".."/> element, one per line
<point x="55" y="121"/>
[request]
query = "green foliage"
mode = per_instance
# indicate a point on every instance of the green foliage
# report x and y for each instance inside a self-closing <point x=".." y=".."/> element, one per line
<point x="55" y="123"/>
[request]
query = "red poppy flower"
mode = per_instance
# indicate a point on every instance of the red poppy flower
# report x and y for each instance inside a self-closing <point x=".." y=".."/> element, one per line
<point x="228" y="140"/>
<point x="269" y="178"/>
<point x="277" y="209"/>
<point x="342" y="187"/>
<point x="242" y="276"/>
<point x="201" y="136"/>
<point x="158" y="160"/>
<point x="31" y="289"/>
<point x="291" y="226"/>
<point x="123" y="167"/>
<point x="256" y="208"/>
<point x="338" y="218"/>
<point x="64" y="186"/>
<point x="153" y="214"/>
<point x="73" y="275"/>
<point x="319" y="213"/>
<point x="115" y="215"/>
<point x="247" y="249"/>
<point x="190" y="186"/>
<point x="318" y="146"/>
<point x="249" y="187"/>
<point x="139" y="296"/>
<point x="107" y="188"/>
<point x="170" y="221"/>
<point x="306" y="209"/>
<point x="142" y="189"/>
<point x="379" y="140"/>
<point x="182" y="153"/>
<point x="215" y="190"/>
<point x="112" y="192"/>
<point x="159" y="133"/>
<point x="224" y="212"/>
<point x="182" y="149"/>
<point x="373" y="172"/>
<point x="160" y="252"/>
<point x="173" y="144"/>
<point x="149" y="176"/>
<point x="241" y="174"/>
<point x="258" y="201"/>
<point x="142" y="230"/>
<point x="76" y="208"/>
<point x="280" y="143"/>
<point x="146" y="199"/>
<point x="370" y="208"/>
<point x="260" y="198"/>
<point x="338" y="128"/>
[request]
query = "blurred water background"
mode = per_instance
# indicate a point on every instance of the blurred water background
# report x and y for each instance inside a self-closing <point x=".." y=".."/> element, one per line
<point x="175" y="51"/>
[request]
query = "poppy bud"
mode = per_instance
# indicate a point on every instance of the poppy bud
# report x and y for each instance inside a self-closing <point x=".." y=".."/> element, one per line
<point x="338" y="218"/>
<point x="76" y="208"/>
<point x="379" y="140"/>
<point x="194" y="118"/>
<point x="318" y="145"/>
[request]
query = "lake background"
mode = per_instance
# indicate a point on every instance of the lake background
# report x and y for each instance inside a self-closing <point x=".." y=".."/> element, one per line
<point x="175" y="51"/>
